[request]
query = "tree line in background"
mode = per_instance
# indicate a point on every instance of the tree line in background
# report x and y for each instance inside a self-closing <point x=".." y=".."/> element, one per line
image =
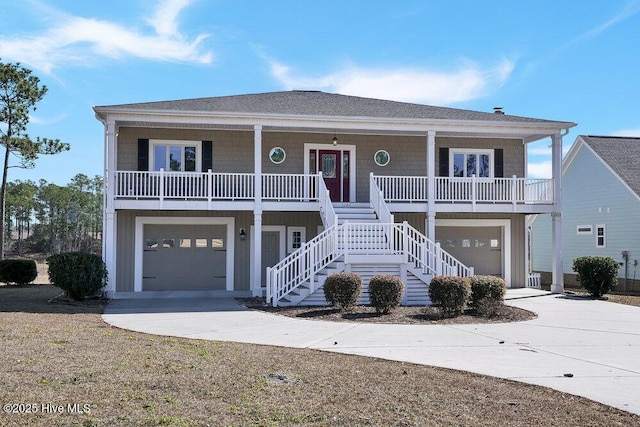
<point x="46" y="218"/>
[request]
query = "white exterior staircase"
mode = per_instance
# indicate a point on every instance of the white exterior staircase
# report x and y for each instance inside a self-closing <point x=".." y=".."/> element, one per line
<point x="356" y="240"/>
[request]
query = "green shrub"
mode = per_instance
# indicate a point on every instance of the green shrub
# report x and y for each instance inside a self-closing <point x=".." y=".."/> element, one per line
<point x="385" y="292"/>
<point x="18" y="271"/>
<point x="598" y="275"/>
<point x="79" y="274"/>
<point x="343" y="289"/>
<point x="450" y="294"/>
<point x="488" y="307"/>
<point x="487" y="287"/>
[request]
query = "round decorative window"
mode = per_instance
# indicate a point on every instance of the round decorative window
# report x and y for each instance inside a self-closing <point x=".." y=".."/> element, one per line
<point x="381" y="158"/>
<point x="277" y="155"/>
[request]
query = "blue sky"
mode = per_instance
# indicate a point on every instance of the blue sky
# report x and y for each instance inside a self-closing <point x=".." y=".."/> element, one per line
<point x="570" y="60"/>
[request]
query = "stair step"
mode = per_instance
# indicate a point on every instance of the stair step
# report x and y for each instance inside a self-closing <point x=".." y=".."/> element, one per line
<point x="363" y="211"/>
<point x="354" y="206"/>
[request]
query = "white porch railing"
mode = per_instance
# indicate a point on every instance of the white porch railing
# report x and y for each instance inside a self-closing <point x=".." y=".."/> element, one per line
<point x="494" y="190"/>
<point x="289" y="187"/>
<point x="402" y="188"/>
<point x="183" y="185"/>
<point x="358" y="239"/>
<point x="214" y="186"/>
<point x="464" y="190"/>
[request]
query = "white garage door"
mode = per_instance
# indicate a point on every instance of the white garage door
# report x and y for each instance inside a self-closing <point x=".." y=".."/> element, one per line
<point x="477" y="247"/>
<point x="184" y="257"/>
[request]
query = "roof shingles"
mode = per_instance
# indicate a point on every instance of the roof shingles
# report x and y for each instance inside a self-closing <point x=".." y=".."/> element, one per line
<point x="621" y="154"/>
<point x="318" y="103"/>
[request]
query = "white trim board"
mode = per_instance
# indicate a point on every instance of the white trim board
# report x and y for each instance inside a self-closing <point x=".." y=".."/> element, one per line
<point x="139" y="241"/>
<point x="506" y="237"/>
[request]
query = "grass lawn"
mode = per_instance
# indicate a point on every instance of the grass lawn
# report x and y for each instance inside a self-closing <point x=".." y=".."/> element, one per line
<point x="54" y="354"/>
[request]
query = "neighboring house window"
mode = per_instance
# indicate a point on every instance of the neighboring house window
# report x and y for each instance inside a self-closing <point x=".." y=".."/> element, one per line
<point x="584" y="229"/>
<point x="601" y="236"/>
<point x="296" y="236"/>
<point x="175" y="156"/>
<point x="467" y="163"/>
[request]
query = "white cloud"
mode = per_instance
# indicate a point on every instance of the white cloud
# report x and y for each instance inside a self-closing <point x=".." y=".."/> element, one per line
<point x="37" y="120"/>
<point x="627" y="132"/>
<point x="539" y="169"/>
<point x="539" y="151"/>
<point x="78" y="40"/>
<point x="627" y="11"/>
<point x="403" y="84"/>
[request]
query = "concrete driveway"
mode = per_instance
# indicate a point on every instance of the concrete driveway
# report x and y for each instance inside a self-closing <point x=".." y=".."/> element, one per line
<point x="579" y="346"/>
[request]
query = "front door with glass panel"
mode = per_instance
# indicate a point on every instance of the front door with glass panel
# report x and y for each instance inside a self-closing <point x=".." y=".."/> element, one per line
<point x="334" y="166"/>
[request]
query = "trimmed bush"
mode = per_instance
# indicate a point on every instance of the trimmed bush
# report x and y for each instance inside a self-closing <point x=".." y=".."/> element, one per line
<point x="598" y="275"/>
<point x="79" y="274"/>
<point x="18" y="271"/>
<point x="490" y="287"/>
<point x="385" y="292"/>
<point x="488" y="307"/>
<point x="450" y="294"/>
<point x="343" y="290"/>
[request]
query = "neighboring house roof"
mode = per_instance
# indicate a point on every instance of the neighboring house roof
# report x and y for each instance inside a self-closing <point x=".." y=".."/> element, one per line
<point x="620" y="154"/>
<point x="318" y="103"/>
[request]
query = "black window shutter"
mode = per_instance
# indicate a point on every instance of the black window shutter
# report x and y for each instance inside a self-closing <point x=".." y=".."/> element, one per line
<point x="498" y="163"/>
<point x="207" y="155"/>
<point x="443" y="169"/>
<point x="143" y="154"/>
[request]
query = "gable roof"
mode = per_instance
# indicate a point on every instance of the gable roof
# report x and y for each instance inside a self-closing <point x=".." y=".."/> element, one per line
<point x="620" y="154"/>
<point x="317" y="103"/>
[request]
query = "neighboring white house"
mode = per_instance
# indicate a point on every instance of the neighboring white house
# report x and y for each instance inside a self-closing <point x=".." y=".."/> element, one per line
<point x="266" y="194"/>
<point x="600" y="208"/>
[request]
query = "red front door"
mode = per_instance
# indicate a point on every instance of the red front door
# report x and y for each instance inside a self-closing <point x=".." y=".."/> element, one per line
<point x="334" y="165"/>
<point x="330" y="164"/>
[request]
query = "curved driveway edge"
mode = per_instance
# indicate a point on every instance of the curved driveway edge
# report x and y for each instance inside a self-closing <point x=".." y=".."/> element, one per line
<point x="579" y="346"/>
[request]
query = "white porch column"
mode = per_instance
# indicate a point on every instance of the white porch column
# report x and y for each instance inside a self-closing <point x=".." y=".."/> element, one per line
<point x="256" y="286"/>
<point x="557" y="268"/>
<point x="109" y="230"/>
<point x="430" y="228"/>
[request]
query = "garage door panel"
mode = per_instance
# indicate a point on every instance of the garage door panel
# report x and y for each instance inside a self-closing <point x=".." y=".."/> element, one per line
<point x="478" y="247"/>
<point x="186" y="257"/>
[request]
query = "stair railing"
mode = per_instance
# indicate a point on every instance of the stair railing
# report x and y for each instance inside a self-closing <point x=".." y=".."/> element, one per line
<point x="303" y="264"/>
<point x="376" y="198"/>
<point x="327" y="213"/>
<point x="429" y="257"/>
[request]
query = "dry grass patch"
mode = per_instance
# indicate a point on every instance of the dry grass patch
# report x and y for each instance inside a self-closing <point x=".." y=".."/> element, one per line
<point x="65" y="354"/>
<point x="611" y="297"/>
<point x="624" y="299"/>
